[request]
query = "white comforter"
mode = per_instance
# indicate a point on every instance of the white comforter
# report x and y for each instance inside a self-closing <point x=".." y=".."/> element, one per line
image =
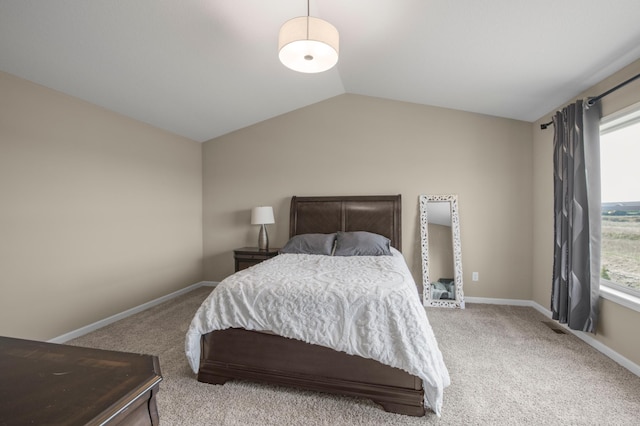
<point x="361" y="305"/>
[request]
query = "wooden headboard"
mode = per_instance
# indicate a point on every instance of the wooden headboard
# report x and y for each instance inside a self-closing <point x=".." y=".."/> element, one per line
<point x="380" y="214"/>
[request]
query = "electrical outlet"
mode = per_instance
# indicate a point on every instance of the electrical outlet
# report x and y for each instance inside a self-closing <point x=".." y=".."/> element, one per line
<point x="475" y="276"/>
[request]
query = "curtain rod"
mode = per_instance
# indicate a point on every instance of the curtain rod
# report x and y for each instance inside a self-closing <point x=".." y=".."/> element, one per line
<point x="593" y="100"/>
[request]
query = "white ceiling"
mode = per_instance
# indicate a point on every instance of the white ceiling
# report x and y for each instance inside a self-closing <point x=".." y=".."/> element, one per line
<point x="203" y="68"/>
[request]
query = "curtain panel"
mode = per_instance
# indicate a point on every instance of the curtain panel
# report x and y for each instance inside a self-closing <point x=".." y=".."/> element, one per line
<point x="576" y="265"/>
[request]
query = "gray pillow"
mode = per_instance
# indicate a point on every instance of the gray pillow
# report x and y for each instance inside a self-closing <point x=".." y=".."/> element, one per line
<point x="310" y="244"/>
<point x="361" y="243"/>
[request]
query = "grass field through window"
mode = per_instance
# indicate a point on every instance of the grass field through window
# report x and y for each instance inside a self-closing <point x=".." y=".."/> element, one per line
<point x="621" y="248"/>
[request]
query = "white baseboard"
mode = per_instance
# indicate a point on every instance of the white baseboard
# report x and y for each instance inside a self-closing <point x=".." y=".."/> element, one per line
<point x="99" y="324"/>
<point x="492" y="301"/>
<point x="585" y="337"/>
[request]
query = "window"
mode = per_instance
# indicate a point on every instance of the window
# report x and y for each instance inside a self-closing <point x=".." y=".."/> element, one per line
<point x="620" y="180"/>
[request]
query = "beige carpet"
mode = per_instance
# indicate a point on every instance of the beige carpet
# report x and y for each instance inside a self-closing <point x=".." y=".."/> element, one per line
<point x="507" y="367"/>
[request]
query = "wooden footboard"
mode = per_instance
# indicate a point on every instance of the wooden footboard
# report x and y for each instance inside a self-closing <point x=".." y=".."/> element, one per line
<point x="242" y="354"/>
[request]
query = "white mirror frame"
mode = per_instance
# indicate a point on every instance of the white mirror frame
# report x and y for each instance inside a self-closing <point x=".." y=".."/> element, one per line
<point x="457" y="252"/>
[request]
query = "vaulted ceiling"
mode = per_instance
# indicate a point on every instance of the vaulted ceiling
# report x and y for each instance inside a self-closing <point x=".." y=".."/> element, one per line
<point x="203" y="68"/>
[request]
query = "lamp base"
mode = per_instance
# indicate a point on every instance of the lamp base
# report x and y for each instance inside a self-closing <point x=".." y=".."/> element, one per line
<point x="263" y="238"/>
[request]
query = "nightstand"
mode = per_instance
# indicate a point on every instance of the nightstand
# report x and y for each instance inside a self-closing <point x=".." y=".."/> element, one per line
<point x="249" y="256"/>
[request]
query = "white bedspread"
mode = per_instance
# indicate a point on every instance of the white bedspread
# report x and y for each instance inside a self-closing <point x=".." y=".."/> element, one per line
<point x="361" y="305"/>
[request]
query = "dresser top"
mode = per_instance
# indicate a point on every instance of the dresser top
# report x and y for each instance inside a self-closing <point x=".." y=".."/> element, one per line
<point x="46" y="383"/>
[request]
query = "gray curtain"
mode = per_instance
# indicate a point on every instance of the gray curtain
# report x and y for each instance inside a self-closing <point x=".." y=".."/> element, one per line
<point x="576" y="265"/>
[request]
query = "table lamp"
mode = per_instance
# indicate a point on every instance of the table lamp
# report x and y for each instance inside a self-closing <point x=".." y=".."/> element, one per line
<point x="262" y="216"/>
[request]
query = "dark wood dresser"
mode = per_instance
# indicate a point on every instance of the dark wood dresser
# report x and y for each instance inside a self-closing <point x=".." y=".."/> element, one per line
<point x="45" y="383"/>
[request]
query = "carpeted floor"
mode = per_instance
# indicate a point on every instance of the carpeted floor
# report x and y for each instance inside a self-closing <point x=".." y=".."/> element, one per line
<point x="507" y="367"/>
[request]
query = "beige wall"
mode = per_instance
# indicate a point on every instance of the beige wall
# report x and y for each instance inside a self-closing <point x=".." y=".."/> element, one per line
<point x="357" y="145"/>
<point x="98" y="213"/>
<point x="618" y="325"/>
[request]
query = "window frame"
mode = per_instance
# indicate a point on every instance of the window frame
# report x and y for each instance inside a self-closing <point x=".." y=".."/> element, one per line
<point x="611" y="290"/>
<point x="618" y="294"/>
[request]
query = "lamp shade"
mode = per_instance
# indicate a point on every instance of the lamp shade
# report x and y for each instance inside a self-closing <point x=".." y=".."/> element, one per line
<point x="307" y="44"/>
<point x="262" y="215"/>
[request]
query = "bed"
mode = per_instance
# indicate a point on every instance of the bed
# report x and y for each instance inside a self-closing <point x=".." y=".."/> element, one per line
<point x="254" y="352"/>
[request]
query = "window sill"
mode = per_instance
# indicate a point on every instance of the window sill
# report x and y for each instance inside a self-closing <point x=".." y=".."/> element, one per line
<point x="619" y="297"/>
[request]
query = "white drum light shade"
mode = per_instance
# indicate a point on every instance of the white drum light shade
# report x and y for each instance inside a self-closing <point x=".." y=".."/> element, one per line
<point x="308" y="44"/>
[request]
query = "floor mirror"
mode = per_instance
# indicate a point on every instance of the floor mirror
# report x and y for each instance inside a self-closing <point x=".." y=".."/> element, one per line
<point x="441" y="252"/>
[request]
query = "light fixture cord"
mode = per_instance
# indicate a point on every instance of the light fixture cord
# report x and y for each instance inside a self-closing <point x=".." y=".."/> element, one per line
<point x="308" y="19"/>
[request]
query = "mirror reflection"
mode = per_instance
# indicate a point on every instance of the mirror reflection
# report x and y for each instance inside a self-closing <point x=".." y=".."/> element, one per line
<point x="440" y="250"/>
<point x="441" y="257"/>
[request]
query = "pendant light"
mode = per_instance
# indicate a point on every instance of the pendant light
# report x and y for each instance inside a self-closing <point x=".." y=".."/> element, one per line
<point x="308" y="44"/>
